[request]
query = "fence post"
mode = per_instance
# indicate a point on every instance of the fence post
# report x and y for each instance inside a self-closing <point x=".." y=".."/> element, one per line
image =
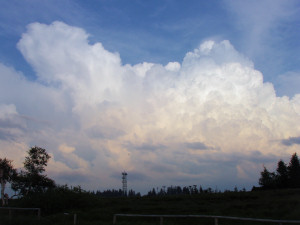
<point x="115" y="219"/>
<point x="75" y="218"/>
<point x="161" y="220"/>
<point x="10" y="214"/>
<point x="39" y="214"/>
<point x="216" y="221"/>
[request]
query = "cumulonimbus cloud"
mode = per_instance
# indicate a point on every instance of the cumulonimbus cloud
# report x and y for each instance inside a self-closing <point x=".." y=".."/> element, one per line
<point x="213" y="100"/>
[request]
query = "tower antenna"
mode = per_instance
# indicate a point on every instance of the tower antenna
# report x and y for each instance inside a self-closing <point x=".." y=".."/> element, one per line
<point x="124" y="182"/>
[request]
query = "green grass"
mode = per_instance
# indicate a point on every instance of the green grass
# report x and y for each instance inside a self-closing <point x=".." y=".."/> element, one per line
<point x="275" y="204"/>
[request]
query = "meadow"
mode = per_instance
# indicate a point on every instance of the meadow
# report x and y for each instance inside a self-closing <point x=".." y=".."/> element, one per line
<point x="90" y="209"/>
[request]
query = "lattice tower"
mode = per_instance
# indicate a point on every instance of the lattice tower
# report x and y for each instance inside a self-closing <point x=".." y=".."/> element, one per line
<point x="124" y="182"/>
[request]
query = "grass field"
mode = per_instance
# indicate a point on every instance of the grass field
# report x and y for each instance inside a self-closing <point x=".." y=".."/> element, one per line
<point x="274" y="204"/>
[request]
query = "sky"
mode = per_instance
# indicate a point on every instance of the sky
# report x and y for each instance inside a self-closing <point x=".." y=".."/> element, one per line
<point x="172" y="92"/>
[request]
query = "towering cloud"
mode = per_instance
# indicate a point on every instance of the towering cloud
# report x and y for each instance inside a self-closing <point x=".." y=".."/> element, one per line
<point x="210" y="119"/>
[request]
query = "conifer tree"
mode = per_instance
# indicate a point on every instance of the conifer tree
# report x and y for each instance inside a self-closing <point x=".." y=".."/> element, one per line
<point x="281" y="175"/>
<point x="294" y="172"/>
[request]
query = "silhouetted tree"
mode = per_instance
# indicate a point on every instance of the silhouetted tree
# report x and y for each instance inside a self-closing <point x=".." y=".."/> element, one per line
<point x="194" y="189"/>
<point x="201" y="190"/>
<point x="267" y="179"/>
<point x="186" y="190"/>
<point x="294" y="172"/>
<point x="285" y="176"/>
<point x="32" y="179"/>
<point x="281" y="175"/>
<point x="153" y="192"/>
<point x="112" y="193"/>
<point x="179" y="190"/>
<point x="131" y="193"/>
<point x="8" y="174"/>
<point x="209" y="190"/>
<point x="235" y="189"/>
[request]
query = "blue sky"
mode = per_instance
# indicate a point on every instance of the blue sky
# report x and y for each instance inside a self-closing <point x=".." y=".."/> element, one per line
<point x="161" y="89"/>
<point x="161" y="31"/>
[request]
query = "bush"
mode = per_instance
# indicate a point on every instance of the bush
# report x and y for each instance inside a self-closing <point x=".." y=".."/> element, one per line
<point x="59" y="199"/>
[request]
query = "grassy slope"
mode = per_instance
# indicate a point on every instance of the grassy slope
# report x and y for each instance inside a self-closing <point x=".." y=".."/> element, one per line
<point x="277" y="204"/>
<point x="280" y="204"/>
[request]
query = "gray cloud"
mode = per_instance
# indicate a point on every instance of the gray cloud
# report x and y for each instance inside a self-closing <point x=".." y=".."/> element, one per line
<point x="131" y="176"/>
<point x="67" y="161"/>
<point x="86" y="152"/>
<point x="236" y="157"/>
<point x="73" y="178"/>
<point x="5" y="135"/>
<point x="12" y="125"/>
<point x="137" y="176"/>
<point x="158" y="167"/>
<point x="197" y="146"/>
<point x="103" y="132"/>
<point x="11" y="122"/>
<point x="145" y="146"/>
<point x="291" y="141"/>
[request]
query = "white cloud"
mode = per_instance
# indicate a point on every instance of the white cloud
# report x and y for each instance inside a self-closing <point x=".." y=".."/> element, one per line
<point x="173" y="66"/>
<point x="12" y="125"/>
<point x="66" y="149"/>
<point x="89" y="73"/>
<point x="97" y="116"/>
<point x="142" y="68"/>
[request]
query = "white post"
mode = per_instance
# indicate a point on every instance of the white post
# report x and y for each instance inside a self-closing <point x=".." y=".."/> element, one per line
<point x="10" y="214"/>
<point x="161" y="220"/>
<point x="39" y="214"/>
<point x="75" y="218"/>
<point x="216" y="221"/>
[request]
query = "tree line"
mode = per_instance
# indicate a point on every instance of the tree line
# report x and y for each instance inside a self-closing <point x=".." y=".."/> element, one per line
<point x="116" y="193"/>
<point x="285" y="176"/>
<point x="186" y="190"/>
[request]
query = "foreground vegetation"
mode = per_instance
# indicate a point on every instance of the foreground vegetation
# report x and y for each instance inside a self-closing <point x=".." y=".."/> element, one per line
<point x="90" y="209"/>
<point x="278" y="197"/>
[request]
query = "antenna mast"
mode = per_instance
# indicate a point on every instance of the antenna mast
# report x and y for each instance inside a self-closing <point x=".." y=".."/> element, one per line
<point x="124" y="182"/>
